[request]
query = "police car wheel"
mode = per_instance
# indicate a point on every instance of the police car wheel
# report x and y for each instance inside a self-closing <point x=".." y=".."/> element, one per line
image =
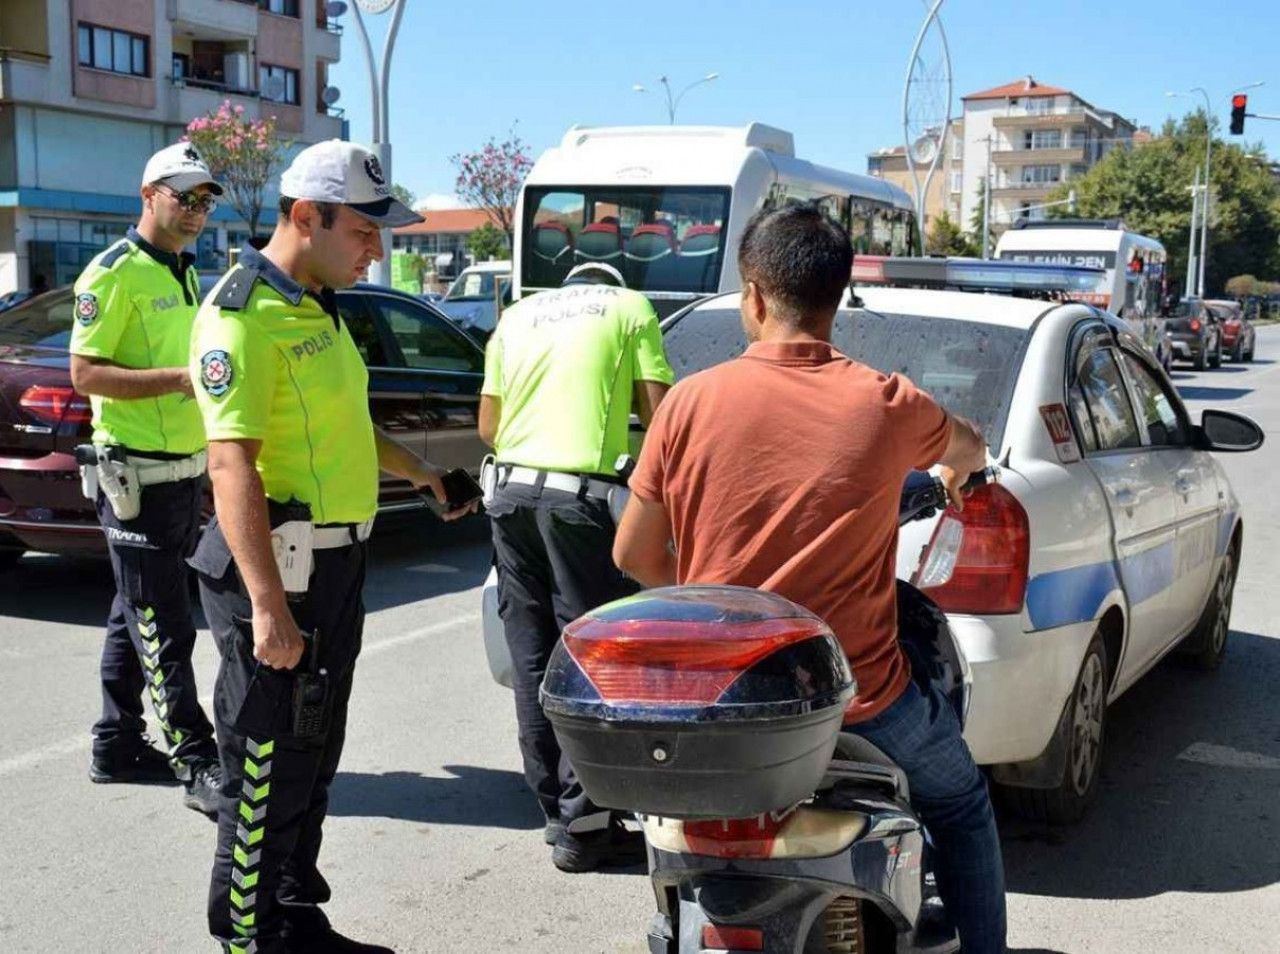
<point x="1207" y="643"/>
<point x="1084" y="728"/>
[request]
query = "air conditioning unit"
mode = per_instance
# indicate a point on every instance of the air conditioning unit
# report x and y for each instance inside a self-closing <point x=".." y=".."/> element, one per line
<point x="237" y="71"/>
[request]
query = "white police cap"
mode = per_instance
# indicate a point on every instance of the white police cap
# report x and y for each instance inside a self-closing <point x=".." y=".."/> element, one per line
<point x="347" y="174"/>
<point x="180" y="167"/>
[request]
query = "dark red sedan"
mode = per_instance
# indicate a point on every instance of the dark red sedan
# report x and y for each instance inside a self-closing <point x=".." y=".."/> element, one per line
<point x="424" y="390"/>
<point x="1238" y="335"/>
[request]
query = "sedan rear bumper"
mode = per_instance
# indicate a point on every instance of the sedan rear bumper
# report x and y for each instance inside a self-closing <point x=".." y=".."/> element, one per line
<point x="1021" y="681"/>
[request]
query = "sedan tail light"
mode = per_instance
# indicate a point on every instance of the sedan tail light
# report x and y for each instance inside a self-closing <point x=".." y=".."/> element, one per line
<point x="977" y="560"/>
<point x="1195" y="325"/>
<point x="55" y="405"/>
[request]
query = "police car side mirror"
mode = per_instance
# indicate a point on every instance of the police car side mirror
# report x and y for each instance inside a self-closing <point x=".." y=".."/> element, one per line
<point x="1228" y="433"/>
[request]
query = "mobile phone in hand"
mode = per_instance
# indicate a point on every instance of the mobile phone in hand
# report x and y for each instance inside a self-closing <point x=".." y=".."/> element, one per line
<point x="460" y="490"/>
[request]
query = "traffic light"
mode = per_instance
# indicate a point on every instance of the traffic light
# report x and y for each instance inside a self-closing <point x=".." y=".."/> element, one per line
<point x="1238" y="104"/>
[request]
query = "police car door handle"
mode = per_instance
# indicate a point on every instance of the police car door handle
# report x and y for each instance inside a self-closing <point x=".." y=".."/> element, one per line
<point x="1184" y="485"/>
<point x="1126" y="498"/>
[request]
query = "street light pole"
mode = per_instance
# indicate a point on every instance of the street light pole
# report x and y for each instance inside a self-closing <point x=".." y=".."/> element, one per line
<point x="1204" y="205"/>
<point x="986" y="201"/>
<point x="379" y="83"/>
<point x="1191" y="236"/>
<point x="673" y="101"/>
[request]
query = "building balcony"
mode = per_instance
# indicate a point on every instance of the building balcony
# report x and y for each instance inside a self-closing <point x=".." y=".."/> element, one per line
<point x="1024" y="191"/>
<point x="192" y="98"/>
<point x="326" y="44"/>
<point x="24" y="77"/>
<point x="1039" y="157"/>
<point x="224" y="19"/>
<point x="1045" y="120"/>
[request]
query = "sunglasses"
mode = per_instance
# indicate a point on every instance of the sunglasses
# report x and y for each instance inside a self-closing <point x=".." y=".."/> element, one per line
<point x="192" y="201"/>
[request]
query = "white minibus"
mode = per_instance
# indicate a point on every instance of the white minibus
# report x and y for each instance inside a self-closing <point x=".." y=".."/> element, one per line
<point x="666" y="205"/>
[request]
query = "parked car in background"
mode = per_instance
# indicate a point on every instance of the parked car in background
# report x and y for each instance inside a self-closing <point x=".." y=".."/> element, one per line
<point x="424" y="387"/>
<point x="1238" y="335"/>
<point x="1195" y="334"/>
<point x="12" y="298"/>
<point x="472" y="299"/>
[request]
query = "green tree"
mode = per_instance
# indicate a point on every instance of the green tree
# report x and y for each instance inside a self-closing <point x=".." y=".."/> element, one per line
<point x="404" y="195"/>
<point x="1149" y="187"/>
<point x="487" y="242"/>
<point x="975" y="223"/>
<point x="946" y="238"/>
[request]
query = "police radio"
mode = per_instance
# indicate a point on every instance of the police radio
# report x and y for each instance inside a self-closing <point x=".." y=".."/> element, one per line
<point x="311" y="696"/>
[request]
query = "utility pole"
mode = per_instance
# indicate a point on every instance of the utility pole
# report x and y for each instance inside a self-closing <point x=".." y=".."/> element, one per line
<point x="1204" y="204"/>
<point x="1191" y="240"/>
<point x="986" y="201"/>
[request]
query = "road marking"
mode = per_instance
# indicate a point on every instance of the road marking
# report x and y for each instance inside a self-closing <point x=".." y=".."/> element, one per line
<point x="81" y="741"/>
<point x="1223" y="756"/>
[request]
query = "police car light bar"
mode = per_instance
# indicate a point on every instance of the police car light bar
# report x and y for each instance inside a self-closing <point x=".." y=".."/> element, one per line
<point x="975" y="274"/>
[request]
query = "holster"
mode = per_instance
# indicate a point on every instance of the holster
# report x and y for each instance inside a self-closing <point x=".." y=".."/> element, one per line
<point x="488" y="478"/>
<point x="292" y="535"/>
<point x="113" y="475"/>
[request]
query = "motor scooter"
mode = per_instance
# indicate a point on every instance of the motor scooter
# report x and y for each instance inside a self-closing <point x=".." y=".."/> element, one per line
<point x="831" y="858"/>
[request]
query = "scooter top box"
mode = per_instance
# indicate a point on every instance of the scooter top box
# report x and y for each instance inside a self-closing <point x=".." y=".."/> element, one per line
<point x="698" y="701"/>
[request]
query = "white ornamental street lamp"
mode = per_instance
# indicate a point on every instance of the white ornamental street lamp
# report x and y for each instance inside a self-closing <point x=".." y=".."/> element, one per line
<point x="673" y="101"/>
<point x="379" y="80"/>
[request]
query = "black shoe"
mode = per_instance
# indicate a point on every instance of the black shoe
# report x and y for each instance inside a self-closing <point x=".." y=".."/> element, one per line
<point x="614" y="845"/>
<point x="307" y="931"/>
<point x="204" y="791"/>
<point x="140" y="763"/>
<point x="555" y="828"/>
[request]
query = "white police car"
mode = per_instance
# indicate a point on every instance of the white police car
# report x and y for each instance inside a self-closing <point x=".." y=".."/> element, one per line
<point x="1112" y="537"/>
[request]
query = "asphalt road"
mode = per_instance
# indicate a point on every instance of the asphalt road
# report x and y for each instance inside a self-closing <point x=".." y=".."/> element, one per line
<point x="433" y="844"/>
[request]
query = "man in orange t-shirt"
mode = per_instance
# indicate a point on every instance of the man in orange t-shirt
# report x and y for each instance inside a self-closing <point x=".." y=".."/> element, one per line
<point x="782" y="470"/>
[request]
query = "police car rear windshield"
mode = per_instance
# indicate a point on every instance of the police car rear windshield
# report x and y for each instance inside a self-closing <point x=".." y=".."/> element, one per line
<point x="968" y="367"/>
<point x="662" y="238"/>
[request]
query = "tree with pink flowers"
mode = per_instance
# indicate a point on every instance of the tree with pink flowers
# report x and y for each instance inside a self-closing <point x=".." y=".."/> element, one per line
<point x="243" y="154"/>
<point x="491" y="177"/>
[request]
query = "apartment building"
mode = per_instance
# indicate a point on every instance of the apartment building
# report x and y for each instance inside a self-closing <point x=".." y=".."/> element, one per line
<point x="90" y="88"/>
<point x="1038" y="136"/>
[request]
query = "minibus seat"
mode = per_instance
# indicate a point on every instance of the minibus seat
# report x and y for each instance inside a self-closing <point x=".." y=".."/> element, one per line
<point x="552" y="242"/>
<point x="599" y="242"/>
<point x="697" y="257"/>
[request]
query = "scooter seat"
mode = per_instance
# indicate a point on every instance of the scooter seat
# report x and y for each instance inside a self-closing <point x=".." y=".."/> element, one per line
<point x="851" y="747"/>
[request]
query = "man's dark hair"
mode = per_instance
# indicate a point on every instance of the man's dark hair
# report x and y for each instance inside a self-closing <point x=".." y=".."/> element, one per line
<point x="799" y="258"/>
<point x="328" y="210"/>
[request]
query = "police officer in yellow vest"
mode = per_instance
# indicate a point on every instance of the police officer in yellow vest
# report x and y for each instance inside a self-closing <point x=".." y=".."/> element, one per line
<point x="563" y="371"/>
<point x="294" y="460"/>
<point x="133" y="310"/>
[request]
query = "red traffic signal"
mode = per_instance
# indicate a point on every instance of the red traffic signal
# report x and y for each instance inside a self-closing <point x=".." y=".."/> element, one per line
<point x="1238" y="104"/>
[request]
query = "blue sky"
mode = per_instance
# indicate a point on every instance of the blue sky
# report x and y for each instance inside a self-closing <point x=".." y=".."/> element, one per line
<point x="831" y="72"/>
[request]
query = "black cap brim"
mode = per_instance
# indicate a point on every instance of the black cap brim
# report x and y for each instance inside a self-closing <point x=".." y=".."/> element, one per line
<point x="387" y="213"/>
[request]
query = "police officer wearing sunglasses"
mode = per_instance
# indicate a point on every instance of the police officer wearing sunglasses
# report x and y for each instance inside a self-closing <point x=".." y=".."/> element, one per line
<point x="134" y="308"/>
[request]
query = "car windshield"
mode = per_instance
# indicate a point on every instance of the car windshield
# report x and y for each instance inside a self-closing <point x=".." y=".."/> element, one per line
<point x="968" y="367"/>
<point x="43" y="322"/>
<point x="662" y="239"/>
<point x="471" y="286"/>
<point x="1185" y="309"/>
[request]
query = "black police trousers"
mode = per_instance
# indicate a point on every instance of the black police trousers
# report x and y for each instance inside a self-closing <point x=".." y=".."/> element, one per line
<point x="150" y="634"/>
<point x="554" y="553"/>
<point x="275" y="784"/>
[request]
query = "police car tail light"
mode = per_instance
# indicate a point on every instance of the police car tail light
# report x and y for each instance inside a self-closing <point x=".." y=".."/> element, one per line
<point x="673" y="663"/>
<point x="55" y="405"/>
<point x="980" y="563"/>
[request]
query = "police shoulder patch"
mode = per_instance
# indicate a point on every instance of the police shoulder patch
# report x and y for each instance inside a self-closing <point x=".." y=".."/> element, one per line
<point x="86" y="308"/>
<point x="215" y="372"/>
<point x="114" y="253"/>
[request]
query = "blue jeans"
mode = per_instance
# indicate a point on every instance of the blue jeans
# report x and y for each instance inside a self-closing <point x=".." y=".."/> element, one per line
<point x="920" y="732"/>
